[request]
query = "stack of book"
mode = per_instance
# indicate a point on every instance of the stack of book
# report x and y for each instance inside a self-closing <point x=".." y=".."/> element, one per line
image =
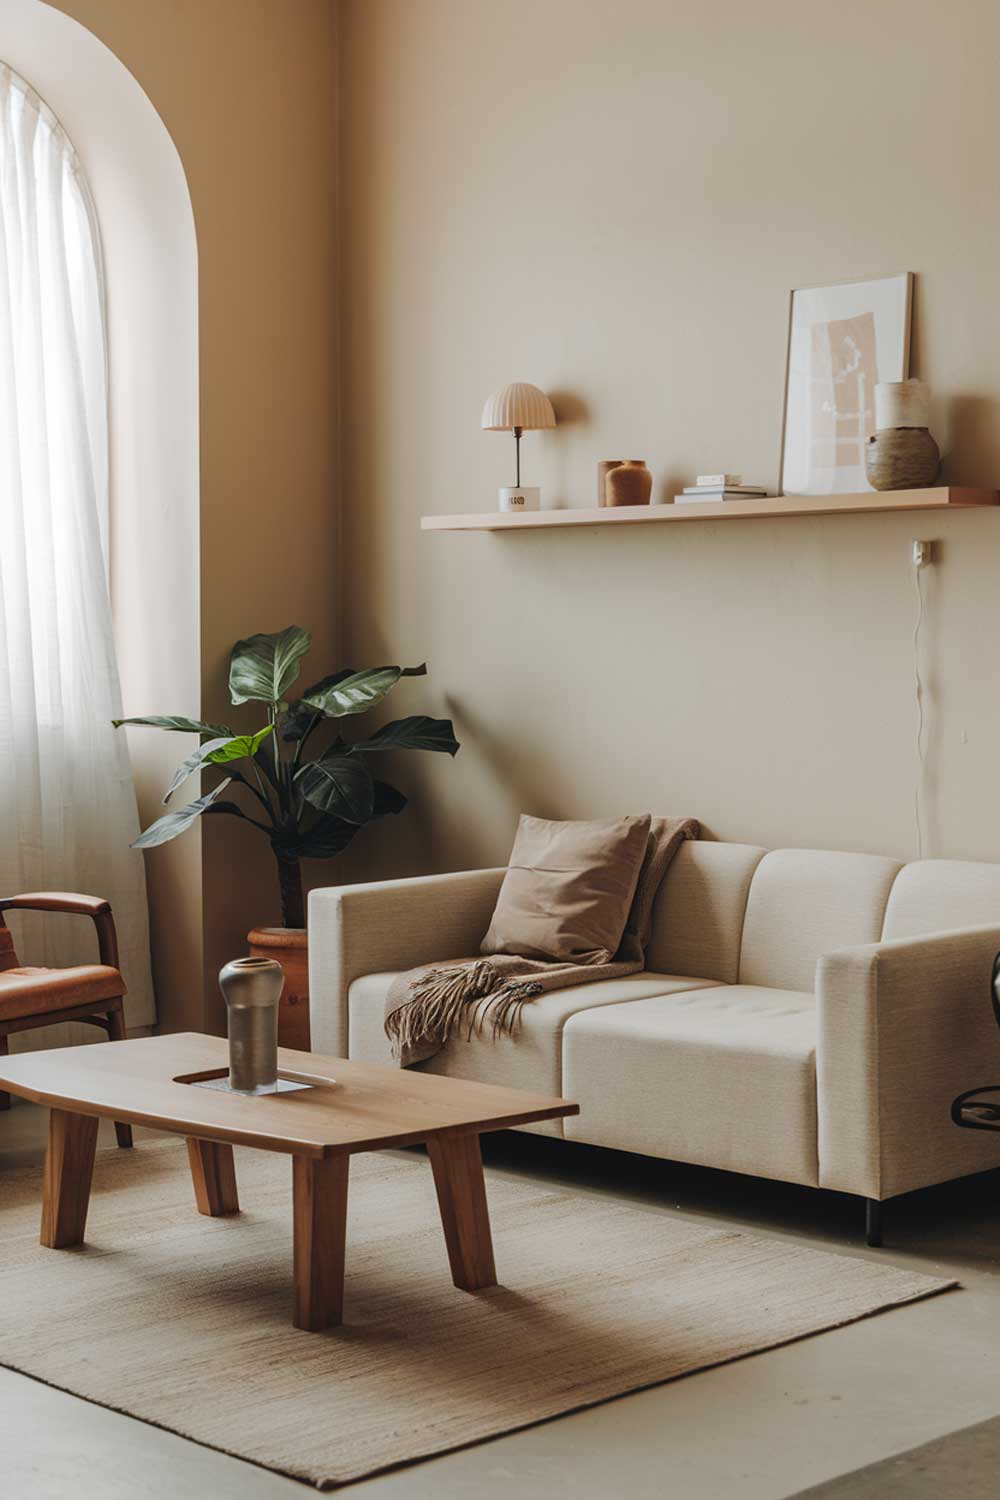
<point x="719" y="487"/>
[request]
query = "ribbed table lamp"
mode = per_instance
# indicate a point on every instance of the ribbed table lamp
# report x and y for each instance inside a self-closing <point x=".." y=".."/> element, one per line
<point x="518" y="408"/>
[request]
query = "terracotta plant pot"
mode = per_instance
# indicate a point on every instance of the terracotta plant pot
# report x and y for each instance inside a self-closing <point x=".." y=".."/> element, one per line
<point x="290" y="946"/>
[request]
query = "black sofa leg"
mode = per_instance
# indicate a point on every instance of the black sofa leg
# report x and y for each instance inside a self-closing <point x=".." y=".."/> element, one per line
<point x="873" y="1223"/>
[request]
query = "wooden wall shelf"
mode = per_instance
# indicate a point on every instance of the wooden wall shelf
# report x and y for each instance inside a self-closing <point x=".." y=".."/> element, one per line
<point x="941" y="498"/>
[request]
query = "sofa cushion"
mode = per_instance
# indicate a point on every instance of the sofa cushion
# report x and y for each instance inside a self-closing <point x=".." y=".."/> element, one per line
<point x="725" y="1077"/>
<point x="806" y="902"/>
<point x="568" y="889"/>
<point x="698" y="914"/>
<point x="938" y="895"/>
<point x="531" y="1060"/>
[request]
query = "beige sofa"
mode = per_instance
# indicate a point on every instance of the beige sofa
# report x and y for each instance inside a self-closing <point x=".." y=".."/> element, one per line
<point x="805" y="1015"/>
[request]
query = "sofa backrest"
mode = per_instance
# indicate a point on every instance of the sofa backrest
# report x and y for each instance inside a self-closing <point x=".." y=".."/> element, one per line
<point x="806" y="902"/>
<point x="739" y="914"/>
<point x="937" y="895"/>
<point x="698" y="915"/>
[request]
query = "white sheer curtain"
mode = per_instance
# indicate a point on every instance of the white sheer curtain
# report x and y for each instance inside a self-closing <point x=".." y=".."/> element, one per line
<point x="67" y="803"/>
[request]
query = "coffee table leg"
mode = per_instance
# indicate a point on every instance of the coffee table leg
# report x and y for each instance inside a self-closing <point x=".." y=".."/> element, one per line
<point x="319" y="1191"/>
<point x="461" y="1191"/>
<point x="69" y="1166"/>
<point x="213" y="1173"/>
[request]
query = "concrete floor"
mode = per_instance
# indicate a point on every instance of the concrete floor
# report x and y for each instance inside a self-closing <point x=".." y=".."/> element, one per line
<point x="760" y="1429"/>
<point x="964" y="1464"/>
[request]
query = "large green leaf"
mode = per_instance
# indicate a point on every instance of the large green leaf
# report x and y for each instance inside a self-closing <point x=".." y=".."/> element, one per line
<point x="176" y="721"/>
<point x="328" y="837"/>
<point x="196" y="759"/>
<point x="171" y="824"/>
<point x="263" y="667"/>
<point x="240" y="746"/>
<point x="387" y="800"/>
<point x="360" y="691"/>
<point x="302" y="712"/>
<point x="339" y="784"/>
<point x="218" y="752"/>
<point x="416" y="733"/>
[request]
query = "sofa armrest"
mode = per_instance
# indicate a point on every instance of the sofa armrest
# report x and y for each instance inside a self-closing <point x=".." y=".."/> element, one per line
<point x="904" y="1027"/>
<point x="386" y="926"/>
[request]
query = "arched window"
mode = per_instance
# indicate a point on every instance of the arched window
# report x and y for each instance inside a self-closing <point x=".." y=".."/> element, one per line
<point x="67" y="804"/>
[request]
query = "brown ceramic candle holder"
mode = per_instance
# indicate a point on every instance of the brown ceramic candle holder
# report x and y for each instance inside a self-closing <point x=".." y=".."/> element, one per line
<point x="630" y="483"/>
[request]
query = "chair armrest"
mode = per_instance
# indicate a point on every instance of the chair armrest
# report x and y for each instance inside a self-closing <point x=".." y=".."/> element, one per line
<point x="94" y="907"/>
<point x="386" y="926"/>
<point x="904" y="1027"/>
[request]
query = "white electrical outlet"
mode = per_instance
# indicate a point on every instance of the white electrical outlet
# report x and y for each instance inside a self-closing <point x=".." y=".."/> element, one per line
<point x="921" y="554"/>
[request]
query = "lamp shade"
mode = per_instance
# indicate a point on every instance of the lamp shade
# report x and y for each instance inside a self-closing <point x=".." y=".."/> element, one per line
<point x="518" y="405"/>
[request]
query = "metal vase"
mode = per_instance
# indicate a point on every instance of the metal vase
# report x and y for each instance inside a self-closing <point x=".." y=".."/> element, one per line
<point x="252" y="988"/>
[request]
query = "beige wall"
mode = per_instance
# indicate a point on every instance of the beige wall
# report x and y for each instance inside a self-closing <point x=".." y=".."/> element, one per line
<point x="612" y="202"/>
<point x="247" y="89"/>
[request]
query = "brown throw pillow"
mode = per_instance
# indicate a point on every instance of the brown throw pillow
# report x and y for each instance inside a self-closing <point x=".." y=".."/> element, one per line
<point x="568" y="889"/>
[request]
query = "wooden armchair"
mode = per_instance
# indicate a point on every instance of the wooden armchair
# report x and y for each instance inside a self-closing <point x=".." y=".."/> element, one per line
<point x="93" y="993"/>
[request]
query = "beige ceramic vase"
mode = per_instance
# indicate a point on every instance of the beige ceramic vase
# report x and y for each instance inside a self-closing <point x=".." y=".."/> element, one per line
<point x="630" y="484"/>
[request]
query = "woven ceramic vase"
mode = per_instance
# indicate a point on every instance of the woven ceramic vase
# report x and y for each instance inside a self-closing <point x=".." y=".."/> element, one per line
<point x="902" y="458"/>
<point x="630" y="484"/>
<point x="251" y="988"/>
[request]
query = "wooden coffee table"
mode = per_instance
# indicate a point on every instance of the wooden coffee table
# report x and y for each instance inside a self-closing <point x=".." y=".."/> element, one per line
<point x="347" y="1107"/>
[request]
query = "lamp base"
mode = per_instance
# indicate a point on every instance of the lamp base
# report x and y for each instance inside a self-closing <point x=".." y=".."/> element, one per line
<point x="521" y="498"/>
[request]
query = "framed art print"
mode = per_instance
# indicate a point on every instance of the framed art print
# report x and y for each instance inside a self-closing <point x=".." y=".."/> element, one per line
<point x="842" y="341"/>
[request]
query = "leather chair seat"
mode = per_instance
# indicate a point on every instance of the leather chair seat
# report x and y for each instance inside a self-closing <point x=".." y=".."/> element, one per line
<point x="29" y="991"/>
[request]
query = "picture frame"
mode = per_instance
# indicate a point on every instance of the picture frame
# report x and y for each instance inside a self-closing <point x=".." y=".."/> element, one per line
<point x="843" y="338"/>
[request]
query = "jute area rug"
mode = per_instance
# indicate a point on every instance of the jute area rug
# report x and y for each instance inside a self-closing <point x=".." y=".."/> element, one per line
<point x="184" y="1321"/>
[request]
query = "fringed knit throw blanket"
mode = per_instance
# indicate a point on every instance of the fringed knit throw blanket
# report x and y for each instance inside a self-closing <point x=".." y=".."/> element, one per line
<point x="428" y="1006"/>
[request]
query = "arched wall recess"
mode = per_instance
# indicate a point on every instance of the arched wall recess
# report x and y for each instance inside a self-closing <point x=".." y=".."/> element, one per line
<point x="150" y="252"/>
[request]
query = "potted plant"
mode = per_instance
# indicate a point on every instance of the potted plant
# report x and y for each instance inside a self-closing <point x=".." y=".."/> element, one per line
<point x="309" y="804"/>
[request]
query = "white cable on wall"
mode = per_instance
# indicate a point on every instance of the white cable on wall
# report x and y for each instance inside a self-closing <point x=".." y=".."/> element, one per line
<point x="918" y="573"/>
